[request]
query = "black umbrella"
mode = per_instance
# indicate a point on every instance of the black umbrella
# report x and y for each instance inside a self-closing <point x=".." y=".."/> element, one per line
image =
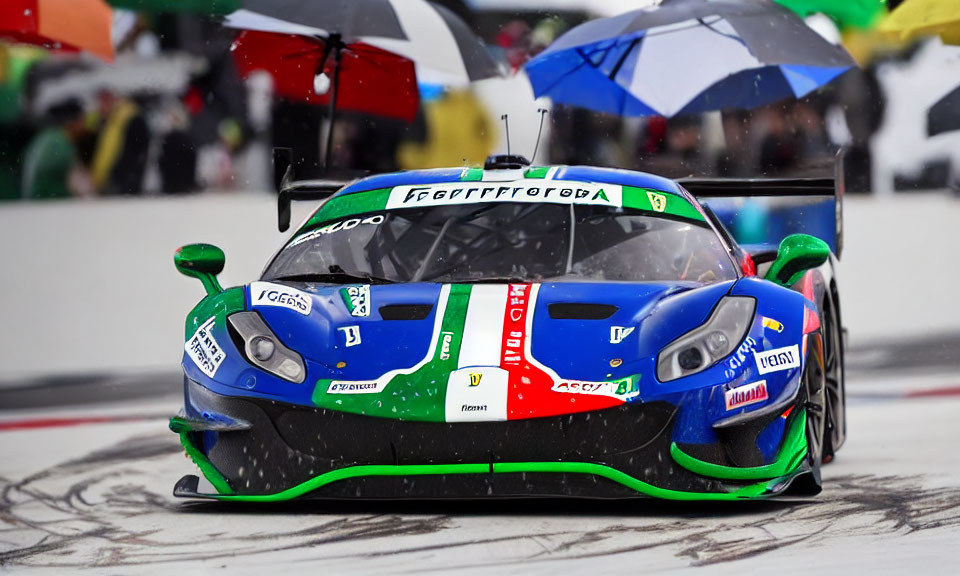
<point x="444" y="50"/>
<point x="944" y="116"/>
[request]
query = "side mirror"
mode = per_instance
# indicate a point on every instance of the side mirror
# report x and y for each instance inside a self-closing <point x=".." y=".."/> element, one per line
<point x="203" y="262"/>
<point x="797" y="254"/>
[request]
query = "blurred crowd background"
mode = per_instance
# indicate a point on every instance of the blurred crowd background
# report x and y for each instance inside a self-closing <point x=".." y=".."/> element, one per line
<point x="173" y="115"/>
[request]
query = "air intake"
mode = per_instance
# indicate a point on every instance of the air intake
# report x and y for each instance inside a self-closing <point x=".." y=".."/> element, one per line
<point x="405" y="311"/>
<point x="581" y="311"/>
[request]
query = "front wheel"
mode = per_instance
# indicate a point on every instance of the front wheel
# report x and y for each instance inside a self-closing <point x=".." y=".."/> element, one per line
<point x="836" y="401"/>
<point x="814" y="404"/>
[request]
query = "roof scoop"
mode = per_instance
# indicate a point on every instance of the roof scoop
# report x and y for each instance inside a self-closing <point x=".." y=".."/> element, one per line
<point x="505" y="162"/>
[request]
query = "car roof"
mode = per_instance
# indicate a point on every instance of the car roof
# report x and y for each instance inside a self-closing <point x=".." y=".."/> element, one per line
<point x="574" y="173"/>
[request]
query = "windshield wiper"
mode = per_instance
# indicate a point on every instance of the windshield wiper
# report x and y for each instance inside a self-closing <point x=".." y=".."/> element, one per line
<point x="334" y="277"/>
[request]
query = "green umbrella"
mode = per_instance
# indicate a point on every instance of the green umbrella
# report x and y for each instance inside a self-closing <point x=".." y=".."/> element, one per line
<point x="846" y="13"/>
<point x="194" y="6"/>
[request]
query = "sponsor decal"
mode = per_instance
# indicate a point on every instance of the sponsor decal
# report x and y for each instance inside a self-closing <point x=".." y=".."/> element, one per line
<point x="622" y="389"/>
<point x="746" y="395"/>
<point x="618" y="333"/>
<point x="467" y="400"/>
<point x="204" y="350"/>
<point x="357" y="299"/>
<point x="657" y="201"/>
<point x="527" y="190"/>
<point x="771" y="324"/>
<point x="354" y="387"/>
<point x="351" y="334"/>
<point x="445" y="339"/>
<point x="513" y="332"/>
<point x="740" y="356"/>
<point x="777" y="359"/>
<point x="348" y="224"/>
<point x="269" y="294"/>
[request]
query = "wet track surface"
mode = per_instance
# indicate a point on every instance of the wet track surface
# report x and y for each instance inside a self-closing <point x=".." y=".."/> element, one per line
<point x="86" y="483"/>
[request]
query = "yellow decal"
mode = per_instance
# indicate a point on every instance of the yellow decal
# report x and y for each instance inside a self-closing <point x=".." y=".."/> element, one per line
<point x="772" y="324"/>
<point x="475" y="378"/>
<point x="657" y="201"/>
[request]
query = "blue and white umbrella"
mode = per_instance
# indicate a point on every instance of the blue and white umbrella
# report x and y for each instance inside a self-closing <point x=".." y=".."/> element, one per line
<point x="685" y="57"/>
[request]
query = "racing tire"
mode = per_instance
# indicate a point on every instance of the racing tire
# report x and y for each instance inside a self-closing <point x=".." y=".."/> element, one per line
<point x="814" y="404"/>
<point x="836" y="397"/>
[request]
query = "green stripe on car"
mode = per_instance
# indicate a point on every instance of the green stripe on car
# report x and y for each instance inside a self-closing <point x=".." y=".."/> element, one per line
<point x="645" y="199"/>
<point x="419" y="395"/>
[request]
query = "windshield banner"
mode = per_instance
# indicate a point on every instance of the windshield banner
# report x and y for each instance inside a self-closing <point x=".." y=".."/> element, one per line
<point x="533" y="191"/>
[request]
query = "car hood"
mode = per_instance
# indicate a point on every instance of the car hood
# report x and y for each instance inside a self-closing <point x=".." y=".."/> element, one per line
<point x="461" y="352"/>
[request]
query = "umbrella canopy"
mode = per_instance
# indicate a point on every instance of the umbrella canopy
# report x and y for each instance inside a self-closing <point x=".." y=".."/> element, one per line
<point x="441" y="45"/>
<point x="916" y="18"/>
<point x="591" y="7"/>
<point x="687" y="56"/>
<point x="59" y="24"/>
<point x="944" y="116"/>
<point x="190" y="6"/>
<point x="372" y="81"/>
<point x="846" y="13"/>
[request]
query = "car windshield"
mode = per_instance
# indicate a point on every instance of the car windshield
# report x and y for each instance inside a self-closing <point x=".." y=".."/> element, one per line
<point x="504" y="241"/>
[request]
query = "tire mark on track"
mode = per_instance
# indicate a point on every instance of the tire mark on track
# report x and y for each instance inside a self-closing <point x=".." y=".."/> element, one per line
<point x="110" y="509"/>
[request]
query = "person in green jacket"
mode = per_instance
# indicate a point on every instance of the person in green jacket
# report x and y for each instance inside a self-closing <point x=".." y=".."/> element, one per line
<point x="50" y="160"/>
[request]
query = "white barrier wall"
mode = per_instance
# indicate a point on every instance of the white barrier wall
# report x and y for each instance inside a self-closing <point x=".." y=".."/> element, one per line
<point x="900" y="273"/>
<point x="89" y="286"/>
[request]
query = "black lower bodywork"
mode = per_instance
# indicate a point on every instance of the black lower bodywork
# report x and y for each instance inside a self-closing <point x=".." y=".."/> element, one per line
<point x="276" y="446"/>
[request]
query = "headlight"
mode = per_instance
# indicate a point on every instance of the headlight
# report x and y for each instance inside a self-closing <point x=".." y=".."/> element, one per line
<point x="703" y="346"/>
<point x="263" y="349"/>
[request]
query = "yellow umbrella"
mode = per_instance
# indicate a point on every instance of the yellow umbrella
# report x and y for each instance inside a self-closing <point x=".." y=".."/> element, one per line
<point x="916" y="18"/>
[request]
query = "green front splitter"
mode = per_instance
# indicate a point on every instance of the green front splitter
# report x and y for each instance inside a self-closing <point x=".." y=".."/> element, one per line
<point x="757" y="490"/>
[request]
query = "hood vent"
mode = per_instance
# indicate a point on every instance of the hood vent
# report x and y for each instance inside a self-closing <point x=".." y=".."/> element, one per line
<point x="581" y="311"/>
<point x="405" y="311"/>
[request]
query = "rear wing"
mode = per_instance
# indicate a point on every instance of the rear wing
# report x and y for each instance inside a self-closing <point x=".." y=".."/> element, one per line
<point x="290" y="190"/>
<point x="761" y="211"/>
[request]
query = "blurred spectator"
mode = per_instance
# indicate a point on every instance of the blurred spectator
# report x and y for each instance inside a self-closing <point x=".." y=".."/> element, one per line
<point x="778" y="148"/>
<point x="677" y="142"/>
<point x="215" y="160"/>
<point x="178" y="155"/>
<point x="545" y="32"/>
<point x="50" y="167"/>
<point x="811" y="133"/>
<point x="736" y="159"/>
<point x="862" y="100"/>
<point x="514" y="39"/>
<point x="120" y="157"/>
<point x="458" y="130"/>
<point x="296" y="125"/>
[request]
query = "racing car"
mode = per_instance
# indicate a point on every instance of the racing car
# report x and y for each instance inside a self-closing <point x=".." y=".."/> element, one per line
<point x="518" y="331"/>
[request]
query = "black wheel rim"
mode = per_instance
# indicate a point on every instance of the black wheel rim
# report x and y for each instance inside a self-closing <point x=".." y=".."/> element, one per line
<point x="815" y="405"/>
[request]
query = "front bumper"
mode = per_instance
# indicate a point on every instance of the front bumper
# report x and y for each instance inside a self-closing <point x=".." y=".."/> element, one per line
<point x="257" y="450"/>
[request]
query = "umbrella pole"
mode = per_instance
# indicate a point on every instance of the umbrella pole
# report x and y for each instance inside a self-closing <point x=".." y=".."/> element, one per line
<point x="337" y="46"/>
